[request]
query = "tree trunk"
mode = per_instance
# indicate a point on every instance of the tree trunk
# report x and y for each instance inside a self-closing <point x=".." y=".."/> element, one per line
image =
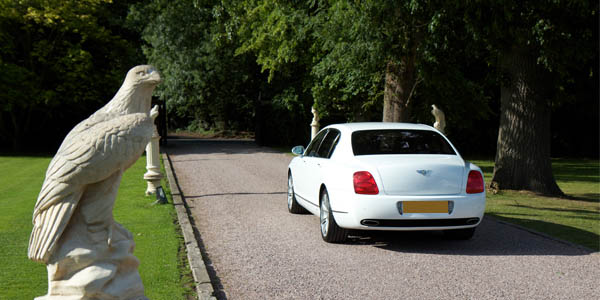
<point x="523" y="149"/>
<point x="400" y="81"/>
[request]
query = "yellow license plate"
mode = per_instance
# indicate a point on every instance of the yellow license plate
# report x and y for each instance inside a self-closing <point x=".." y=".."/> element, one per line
<point x="425" y="207"/>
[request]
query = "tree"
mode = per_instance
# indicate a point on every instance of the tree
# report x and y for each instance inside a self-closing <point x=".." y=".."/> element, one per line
<point x="206" y="85"/>
<point x="537" y="46"/>
<point x="57" y="63"/>
<point x="410" y="54"/>
<point x="357" y="53"/>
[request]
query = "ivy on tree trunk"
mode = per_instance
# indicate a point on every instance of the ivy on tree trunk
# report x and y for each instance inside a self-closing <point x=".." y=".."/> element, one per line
<point x="523" y="149"/>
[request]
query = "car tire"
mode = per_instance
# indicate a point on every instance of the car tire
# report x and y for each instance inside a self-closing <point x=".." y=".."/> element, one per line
<point x="460" y="234"/>
<point x="330" y="231"/>
<point x="293" y="206"/>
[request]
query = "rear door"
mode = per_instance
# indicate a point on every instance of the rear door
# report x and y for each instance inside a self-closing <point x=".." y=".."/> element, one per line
<point x="319" y="162"/>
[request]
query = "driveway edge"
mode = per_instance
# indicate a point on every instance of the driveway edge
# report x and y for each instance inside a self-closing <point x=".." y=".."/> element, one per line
<point x="538" y="233"/>
<point x="204" y="287"/>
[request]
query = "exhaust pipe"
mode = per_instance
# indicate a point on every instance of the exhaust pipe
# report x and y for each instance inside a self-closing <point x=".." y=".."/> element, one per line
<point x="472" y="221"/>
<point x="369" y="223"/>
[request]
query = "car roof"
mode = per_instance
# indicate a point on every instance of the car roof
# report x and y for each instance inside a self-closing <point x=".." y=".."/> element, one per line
<point x="351" y="127"/>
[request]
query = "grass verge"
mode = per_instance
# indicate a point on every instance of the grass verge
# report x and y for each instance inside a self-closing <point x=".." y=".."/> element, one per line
<point x="575" y="219"/>
<point x="159" y="244"/>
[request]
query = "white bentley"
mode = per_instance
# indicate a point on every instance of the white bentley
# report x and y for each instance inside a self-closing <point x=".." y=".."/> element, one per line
<point x="385" y="176"/>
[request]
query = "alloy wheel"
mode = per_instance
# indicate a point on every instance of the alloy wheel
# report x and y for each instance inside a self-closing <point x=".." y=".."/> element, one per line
<point x="290" y="192"/>
<point x="324" y="215"/>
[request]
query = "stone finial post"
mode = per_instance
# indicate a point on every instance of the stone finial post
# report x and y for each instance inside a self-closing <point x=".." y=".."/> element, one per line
<point x="440" y="118"/>
<point x="315" y="123"/>
<point x="153" y="176"/>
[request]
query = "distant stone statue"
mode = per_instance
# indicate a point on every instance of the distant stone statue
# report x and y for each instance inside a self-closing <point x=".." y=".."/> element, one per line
<point x="314" y="125"/>
<point x="89" y="255"/>
<point x="440" y="118"/>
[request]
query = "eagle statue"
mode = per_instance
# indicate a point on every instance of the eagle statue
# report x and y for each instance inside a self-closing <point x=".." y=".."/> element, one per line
<point x="74" y="232"/>
<point x="440" y="118"/>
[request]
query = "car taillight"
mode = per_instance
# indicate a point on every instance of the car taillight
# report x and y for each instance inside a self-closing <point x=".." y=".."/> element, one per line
<point x="475" y="183"/>
<point x="364" y="183"/>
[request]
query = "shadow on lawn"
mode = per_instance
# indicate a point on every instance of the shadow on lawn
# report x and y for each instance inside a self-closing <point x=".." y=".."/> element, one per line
<point x="577" y="236"/>
<point x="587" y="197"/>
<point x="493" y="237"/>
<point x="592" y="214"/>
<point x="574" y="171"/>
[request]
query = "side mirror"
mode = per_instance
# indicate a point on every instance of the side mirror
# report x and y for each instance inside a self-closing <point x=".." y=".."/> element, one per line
<point x="298" y="150"/>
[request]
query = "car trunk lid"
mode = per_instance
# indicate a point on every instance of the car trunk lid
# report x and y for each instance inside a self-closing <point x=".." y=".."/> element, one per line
<point x="418" y="174"/>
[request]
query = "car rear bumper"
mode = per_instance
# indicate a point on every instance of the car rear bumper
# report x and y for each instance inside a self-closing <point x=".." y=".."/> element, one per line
<point x="381" y="212"/>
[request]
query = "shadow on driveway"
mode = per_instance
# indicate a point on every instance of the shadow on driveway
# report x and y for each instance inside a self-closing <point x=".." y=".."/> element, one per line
<point x="209" y="146"/>
<point x="492" y="237"/>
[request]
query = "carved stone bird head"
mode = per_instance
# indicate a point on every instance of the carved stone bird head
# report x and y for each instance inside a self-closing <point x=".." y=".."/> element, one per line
<point x="143" y="75"/>
<point x="135" y="92"/>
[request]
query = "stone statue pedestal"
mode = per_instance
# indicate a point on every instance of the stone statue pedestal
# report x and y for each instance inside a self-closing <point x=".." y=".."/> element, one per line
<point x="114" y="276"/>
<point x="94" y="259"/>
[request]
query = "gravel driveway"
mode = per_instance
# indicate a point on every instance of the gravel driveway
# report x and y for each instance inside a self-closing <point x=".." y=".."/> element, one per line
<point x="257" y="250"/>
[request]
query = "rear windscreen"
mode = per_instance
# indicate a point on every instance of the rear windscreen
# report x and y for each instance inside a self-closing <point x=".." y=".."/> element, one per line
<point x="399" y="141"/>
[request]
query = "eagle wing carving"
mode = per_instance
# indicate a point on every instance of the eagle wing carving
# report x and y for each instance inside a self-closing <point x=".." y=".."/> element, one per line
<point x="94" y="150"/>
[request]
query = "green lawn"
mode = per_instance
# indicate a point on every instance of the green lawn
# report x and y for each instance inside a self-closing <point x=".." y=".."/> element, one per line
<point x="159" y="244"/>
<point x="575" y="219"/>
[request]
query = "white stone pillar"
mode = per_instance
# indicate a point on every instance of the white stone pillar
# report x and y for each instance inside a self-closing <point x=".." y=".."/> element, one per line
<point x="314" y="125"/>
<point x="153" y="176"/>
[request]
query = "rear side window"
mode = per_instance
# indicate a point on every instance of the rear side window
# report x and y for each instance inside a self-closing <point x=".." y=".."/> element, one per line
<point x="328" y="144"/>
<point x="399" y="141"/>
<point x="314" y="145"/>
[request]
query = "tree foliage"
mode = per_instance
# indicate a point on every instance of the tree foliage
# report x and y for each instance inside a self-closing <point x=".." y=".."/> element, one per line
<point x="206" y="85"/>
<point x="58" y="60"/>
<point x="260" y="65"/>
<point x="339" y="51"/>
<point x="211" y="84"/>
<point x="339" y="54"/>
<point x="359" y="40"/>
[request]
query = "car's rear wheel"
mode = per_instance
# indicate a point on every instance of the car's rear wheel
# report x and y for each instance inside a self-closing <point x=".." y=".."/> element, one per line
<point x="293" y="206"/>
<point x="330" y="231"/>
<point x="460" y="234"/>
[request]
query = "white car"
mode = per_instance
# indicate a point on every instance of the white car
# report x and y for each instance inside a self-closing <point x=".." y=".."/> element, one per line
<point x="385" y="176"/>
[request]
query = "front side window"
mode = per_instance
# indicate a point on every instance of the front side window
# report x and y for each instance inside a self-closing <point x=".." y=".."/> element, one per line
<point x="399" y="141"/>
